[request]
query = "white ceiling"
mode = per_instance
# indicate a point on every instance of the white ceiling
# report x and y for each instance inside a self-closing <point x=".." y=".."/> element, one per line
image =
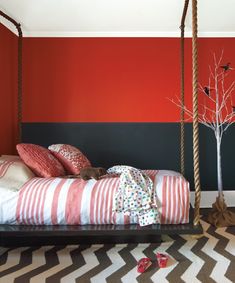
<point x="118" y="17"/>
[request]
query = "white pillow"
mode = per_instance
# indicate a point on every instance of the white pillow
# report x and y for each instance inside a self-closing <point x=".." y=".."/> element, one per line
<point x="13" y="173"/>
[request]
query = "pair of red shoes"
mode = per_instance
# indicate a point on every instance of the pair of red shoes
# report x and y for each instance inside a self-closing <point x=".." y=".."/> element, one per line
<point x="144" y="263"/>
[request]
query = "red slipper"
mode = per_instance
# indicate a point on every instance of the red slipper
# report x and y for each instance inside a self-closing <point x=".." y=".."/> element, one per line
<point x="162" y="259"/>
<point x="143" y="264"/>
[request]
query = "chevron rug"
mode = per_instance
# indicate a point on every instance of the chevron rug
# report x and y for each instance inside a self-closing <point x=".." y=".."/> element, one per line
<point x="208" y="259"/>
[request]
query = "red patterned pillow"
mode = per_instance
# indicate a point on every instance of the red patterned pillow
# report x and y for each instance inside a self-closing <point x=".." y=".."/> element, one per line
<point x="40" y="160"/>
<point x="70" y="157"/>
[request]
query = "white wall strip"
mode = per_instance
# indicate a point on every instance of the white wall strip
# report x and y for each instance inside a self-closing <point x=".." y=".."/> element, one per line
<point x="209" y="197"/>
<point x="163" y="34"/>
<point x="160" y="34"/>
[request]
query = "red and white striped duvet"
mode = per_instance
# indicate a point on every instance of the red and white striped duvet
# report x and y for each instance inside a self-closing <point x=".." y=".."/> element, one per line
<point x="52" y="201"/>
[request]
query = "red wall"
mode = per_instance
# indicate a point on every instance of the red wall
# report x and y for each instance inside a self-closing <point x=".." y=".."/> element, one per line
<point x="8" y="90"/>
<point x="110" y="79"/>
<point x="98" y="79"/>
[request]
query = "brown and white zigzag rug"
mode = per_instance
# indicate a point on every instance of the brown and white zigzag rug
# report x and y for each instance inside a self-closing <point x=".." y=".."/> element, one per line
<point x="208" y="259"/>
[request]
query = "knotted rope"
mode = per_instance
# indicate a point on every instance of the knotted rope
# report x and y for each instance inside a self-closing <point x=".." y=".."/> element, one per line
<point x="19" y="96"/>
<point x="197" y="184"/>
<point x="182" y="127"/>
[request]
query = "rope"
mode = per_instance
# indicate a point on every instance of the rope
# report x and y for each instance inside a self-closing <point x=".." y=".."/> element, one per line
<point x="19" y="97"/>
<point x="182" y="127"/>
<point x="19" y="100"/>
<point x="197" y="185"/>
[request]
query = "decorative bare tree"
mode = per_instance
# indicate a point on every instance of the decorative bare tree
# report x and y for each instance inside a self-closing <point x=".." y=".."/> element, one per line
<point x="218" y="114"/>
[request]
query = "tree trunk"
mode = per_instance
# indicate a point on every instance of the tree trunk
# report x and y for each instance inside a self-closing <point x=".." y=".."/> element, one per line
<point x="219" y="169"/>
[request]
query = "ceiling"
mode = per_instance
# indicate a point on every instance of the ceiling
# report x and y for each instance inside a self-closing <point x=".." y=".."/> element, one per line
<point x="145" y="18"/>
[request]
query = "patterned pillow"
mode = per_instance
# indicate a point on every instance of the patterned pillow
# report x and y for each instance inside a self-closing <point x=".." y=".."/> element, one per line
<point x="71" y="157"/>
<point x="40" y="160"/>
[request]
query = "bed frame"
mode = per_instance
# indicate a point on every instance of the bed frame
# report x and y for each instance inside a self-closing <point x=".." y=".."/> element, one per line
<point x="25" y="235"/>
<point x="142" y="136"/>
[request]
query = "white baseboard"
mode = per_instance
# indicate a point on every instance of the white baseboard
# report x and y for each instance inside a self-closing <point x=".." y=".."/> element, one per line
<point x="209" y="197"/>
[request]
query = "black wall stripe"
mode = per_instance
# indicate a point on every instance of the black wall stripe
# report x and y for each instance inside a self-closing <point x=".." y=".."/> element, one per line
<point x="142" y="145"/>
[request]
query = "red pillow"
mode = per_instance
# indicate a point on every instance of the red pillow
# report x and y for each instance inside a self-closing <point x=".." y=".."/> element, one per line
<point x="70" y="157"/>
<point x="40" y="160"/>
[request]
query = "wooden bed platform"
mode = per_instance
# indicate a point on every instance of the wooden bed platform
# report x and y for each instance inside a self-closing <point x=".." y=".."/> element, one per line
<point x="24" y="235"/>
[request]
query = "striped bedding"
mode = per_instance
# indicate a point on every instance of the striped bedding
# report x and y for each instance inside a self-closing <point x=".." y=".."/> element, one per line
<point x="61" y="201"/>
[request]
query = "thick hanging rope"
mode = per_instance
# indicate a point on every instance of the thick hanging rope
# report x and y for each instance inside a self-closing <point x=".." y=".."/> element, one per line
<point x="195" y="117"/>
<point x="182" y="127"/>
<point x="19" y="100"/>
<point x="19" y="97"/>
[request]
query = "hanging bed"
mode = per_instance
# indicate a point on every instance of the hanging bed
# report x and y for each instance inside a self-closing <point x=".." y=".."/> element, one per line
<point x="74" y="210"/>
